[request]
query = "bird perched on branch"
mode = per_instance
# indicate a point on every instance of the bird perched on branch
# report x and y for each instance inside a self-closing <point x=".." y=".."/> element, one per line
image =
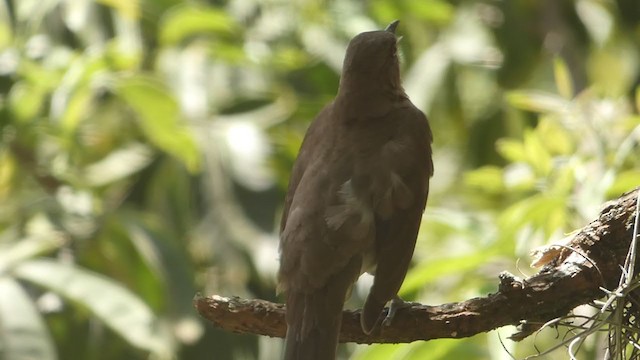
<point x="355" y="199"/>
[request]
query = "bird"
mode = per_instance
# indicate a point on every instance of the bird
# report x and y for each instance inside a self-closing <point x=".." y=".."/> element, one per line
<point x="355" y="199"/>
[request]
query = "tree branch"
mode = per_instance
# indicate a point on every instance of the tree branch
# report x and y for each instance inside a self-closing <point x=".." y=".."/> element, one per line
<point x="573" y="274"/>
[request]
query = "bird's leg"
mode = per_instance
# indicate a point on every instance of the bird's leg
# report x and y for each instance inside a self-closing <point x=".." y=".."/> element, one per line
<point x="396" y="304"/>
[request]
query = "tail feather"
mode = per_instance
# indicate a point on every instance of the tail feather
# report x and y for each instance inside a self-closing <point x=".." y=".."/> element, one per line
<point x="314" y="318"/>
<point x="313" y="322"/>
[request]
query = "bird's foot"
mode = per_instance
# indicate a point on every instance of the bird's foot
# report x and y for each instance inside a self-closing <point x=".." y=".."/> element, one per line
<point x="396" y="304"/>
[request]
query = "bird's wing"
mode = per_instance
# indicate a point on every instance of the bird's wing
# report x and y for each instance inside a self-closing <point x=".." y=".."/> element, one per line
<point x="319" y="234"/>
<point x="312" y="137"/>
<point x="396" y="230"/>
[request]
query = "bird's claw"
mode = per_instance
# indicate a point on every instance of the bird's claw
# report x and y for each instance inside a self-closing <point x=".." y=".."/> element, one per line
<point x="396" y="304"/>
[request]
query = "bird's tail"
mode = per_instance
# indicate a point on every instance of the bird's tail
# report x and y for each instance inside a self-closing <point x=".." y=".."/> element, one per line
<point x="314" y="317"/>
<point x="313" y="325"/>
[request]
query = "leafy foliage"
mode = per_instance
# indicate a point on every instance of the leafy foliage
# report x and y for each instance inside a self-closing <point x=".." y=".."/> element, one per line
<point x="145" y="148"/>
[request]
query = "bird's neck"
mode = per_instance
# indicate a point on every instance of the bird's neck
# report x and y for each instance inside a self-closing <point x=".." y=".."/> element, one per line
<point x="367" y="98"/>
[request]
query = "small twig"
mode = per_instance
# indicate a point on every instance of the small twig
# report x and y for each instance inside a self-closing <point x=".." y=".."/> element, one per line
<point x="630" y="262"/>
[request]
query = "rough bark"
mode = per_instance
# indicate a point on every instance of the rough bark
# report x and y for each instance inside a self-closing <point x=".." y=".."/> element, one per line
<point x="572" y="275"/>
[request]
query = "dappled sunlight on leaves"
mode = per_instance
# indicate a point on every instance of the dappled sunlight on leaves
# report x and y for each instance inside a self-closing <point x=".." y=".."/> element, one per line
<point x="146" y="146"/>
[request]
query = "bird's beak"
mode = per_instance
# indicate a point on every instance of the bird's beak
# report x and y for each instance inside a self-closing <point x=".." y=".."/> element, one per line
<point x="392" y="27"/>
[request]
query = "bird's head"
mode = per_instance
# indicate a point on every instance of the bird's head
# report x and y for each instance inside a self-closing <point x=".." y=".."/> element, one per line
<point x="372" y="56"/>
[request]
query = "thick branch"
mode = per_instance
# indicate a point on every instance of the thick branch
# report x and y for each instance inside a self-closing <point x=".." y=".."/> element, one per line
<point x="573" y="275"/>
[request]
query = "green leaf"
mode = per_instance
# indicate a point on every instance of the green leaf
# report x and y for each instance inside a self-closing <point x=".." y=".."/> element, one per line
<point x="512" y="150"/>
<point x="563" y="78"/>
<point x="74" y="95"/>
<point x="6" y="28"/>
<point x="545" y="212"/>
<point x="159" y="117"/>
<point x="26" y="101"/>
<point x="26" y="248"/>
<point x="612" y="68"/>
<point x="8" y="171"/>
<point x="537" y="101"/>
<point x="41" y="77"/>
<point x="537" y="154"/>
<point x="119" y="164"/>
<point x="430" y="10"/>
<point x="431" y="270"/>
<point x="117" y="307"/>
<point x="185" y="21"/>
<point x="229" y="52"/>
<point x="289" y="58"/>
<point x="445" y="349"/>
<point x="23" y="332"/>
<point x="564" y="181"/>
<point x="487" y="178"/>
<point x="166" y="258"/>
<point x="128" y="8"/>
<point x="442" y="349"/>
<point x="80" y="102"/>
<point x="624" y="182"/>
<point x="556" y="138"/>
<point x="378" y="352"/>
<point x="385" y="10"/>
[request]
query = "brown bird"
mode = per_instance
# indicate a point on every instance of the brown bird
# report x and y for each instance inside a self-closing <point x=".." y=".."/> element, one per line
<point x="356" y="196"/>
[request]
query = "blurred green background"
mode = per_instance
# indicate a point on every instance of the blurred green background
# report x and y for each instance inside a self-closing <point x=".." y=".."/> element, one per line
<point x="146" y="145"/>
